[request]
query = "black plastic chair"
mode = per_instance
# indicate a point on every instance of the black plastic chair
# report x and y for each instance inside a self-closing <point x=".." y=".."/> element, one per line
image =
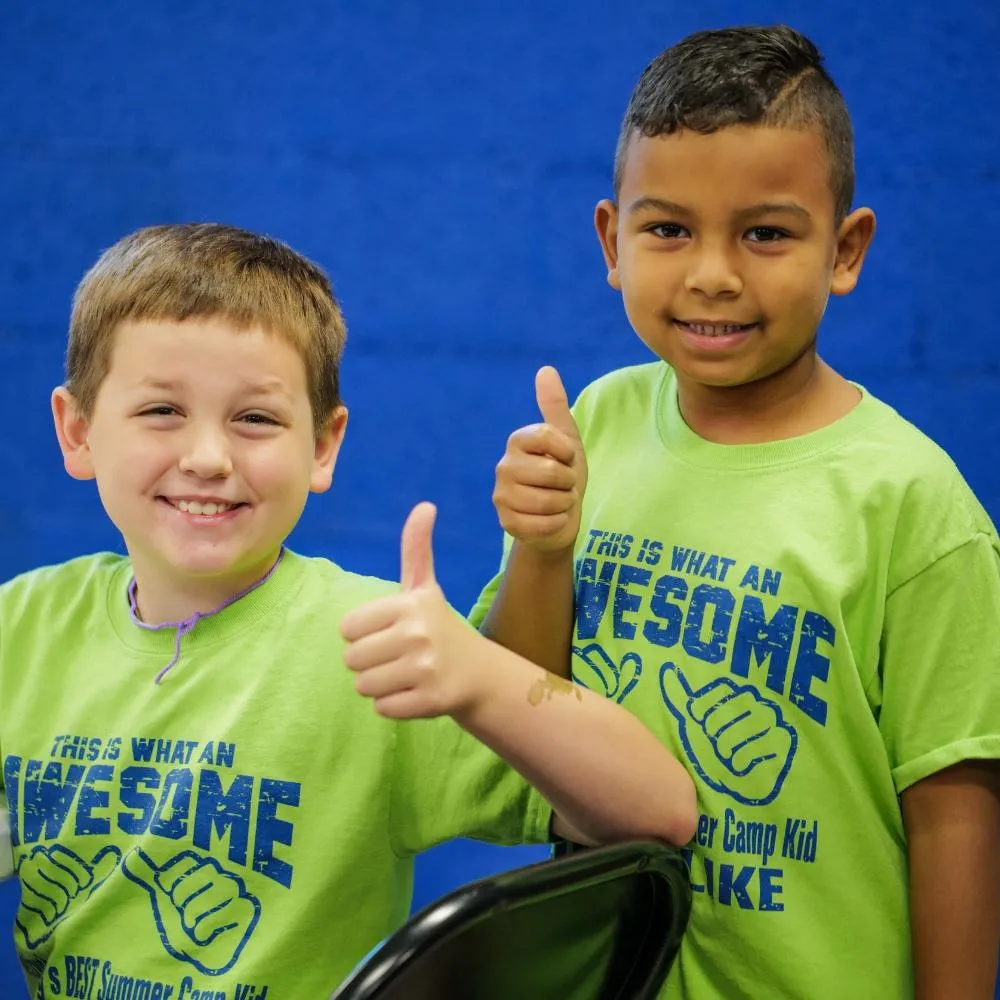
<point x="598" y="924"/>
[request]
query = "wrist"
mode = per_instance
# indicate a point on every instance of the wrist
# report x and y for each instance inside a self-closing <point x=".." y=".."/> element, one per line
<point x="481" y="677"/>
<point x="543" y="557"/>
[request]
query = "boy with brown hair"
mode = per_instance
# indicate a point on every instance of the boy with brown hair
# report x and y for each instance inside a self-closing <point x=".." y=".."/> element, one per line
<point x="200" y="802"/>
<point x="784" y="579"/>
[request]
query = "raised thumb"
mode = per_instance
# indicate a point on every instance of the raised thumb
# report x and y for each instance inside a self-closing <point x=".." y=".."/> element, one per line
<point x="676" y="689"/>
<point x="104" y="864"/>
<point x="139" y="868"/>
<point x="553" y="403"/>
<point x="416" y="555"/>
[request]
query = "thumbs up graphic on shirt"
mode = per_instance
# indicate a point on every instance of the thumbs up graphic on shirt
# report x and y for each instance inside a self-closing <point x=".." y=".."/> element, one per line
<point x="616" y="679"/>
<point x="737" y="741"/>
<point x="52" y="880"/>
<point x="204" y="914"/>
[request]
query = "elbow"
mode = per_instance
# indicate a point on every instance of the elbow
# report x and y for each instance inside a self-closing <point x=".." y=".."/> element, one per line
<point x="680" y="815"/>
<point x="671" y="818"/>
<point x="686" y="820"/>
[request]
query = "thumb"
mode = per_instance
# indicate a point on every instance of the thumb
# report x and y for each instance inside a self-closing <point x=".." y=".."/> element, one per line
<point x="553" y="403"/>
<point x="140" y="869"/>
<point x="104" y="864"/>
<point x="676" y="690"/>
<point x="416" y="552"/>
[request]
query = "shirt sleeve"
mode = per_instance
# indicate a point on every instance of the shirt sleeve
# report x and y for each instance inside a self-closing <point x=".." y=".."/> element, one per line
<point x="941" y="664"/>
<point x="446" y="784"/>
<point x="485" y="600"/>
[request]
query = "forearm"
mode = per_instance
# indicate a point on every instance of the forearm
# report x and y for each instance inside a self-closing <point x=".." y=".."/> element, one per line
<point x="953" y="839"/>
<point x="532" y="614"/>
<point x="606" y="776"/>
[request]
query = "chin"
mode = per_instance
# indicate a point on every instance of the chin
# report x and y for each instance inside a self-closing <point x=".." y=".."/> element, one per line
<point x="205" y="565"/>
<point x="714" y="379"/>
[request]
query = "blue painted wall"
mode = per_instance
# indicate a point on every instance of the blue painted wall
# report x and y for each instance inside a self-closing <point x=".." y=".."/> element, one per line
<point x="441" y="159"/>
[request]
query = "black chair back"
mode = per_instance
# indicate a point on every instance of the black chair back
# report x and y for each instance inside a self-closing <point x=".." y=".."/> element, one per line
<point x="598" y="924"/>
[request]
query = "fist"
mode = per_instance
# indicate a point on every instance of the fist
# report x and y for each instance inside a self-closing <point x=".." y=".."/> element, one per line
<point x="541" y="479"/>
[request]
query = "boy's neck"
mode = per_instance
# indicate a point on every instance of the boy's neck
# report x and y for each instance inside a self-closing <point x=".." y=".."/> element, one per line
<point x="805" y="397"/>
<point x="156" y="601"/>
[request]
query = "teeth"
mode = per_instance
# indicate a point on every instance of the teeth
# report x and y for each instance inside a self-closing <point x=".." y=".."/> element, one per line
<point x="194" y="507"/>
<point x="715" y="330"/>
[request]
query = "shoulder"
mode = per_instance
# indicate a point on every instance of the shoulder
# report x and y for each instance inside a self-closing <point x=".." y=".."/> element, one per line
<point x="623" y="395"/>
<point x="327" y="585"/>
<point x="62" y="585"/>
<point x="913" y="480"/>
<point x="642" y="380"/>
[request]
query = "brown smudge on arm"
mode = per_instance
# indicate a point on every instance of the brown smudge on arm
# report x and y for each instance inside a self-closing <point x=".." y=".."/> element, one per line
<point x="550" y="684"/>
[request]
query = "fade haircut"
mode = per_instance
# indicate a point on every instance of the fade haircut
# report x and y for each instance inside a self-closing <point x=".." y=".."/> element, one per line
<point x="770" y="76"/>
<point x="200" y="271"/>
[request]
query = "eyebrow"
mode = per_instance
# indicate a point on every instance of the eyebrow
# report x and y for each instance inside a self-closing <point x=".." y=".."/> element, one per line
<point x="266" y="387"/>
<point x="764" y="208"/>
<point x="157" y="383"/>
<point x="657" y="204"/>
<point x="775" y="207"/>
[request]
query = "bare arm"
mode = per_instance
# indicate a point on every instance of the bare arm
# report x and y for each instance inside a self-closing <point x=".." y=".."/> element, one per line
<point x="605" y="775"/>
<point x="539" y="491"/>
<point x="533" y="611"/>
<point x="952" y="822"/>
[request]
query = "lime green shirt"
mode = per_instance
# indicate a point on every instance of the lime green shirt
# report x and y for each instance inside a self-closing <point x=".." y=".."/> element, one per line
<point x="245" y="827"/>
<point x="811" y="625"/>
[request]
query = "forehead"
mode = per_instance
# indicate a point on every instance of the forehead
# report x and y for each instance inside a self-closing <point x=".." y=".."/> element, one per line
<point x="724" y="171"/>
<point x="204" y="350"/>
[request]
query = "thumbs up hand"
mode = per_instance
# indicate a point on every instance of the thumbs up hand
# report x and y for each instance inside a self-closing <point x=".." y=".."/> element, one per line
<point x="736" y="740"/>
<point x="413" y="655"/>
<point x="53" y="880"/>
<point x="203" y="913"/>
<point x="542" y="476"/>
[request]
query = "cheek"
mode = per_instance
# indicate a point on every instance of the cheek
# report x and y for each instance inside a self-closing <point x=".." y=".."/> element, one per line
<point x="279" y="468"/>
<point x="648" y="280"/>
<point x="127" y="462"/>
<point x="801" y="287"/>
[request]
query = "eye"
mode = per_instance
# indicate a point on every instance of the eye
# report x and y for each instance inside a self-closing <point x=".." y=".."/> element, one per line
<point x="259" y="420"/>
<point x="668" y="231"/>
<point x="159" y="411"/>
<point x="766" y="234"/>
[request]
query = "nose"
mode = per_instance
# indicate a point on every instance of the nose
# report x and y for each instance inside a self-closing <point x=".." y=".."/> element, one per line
<point x="713" y="274"/>
<point x="206" y="453"/>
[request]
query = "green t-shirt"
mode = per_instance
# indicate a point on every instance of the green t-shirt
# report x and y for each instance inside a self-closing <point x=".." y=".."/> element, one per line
<point x="811" y="625"/>
<point x="247" y="823"/>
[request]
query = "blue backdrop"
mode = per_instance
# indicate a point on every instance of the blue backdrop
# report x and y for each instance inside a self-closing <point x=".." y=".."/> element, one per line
<point x="442" y="162"/>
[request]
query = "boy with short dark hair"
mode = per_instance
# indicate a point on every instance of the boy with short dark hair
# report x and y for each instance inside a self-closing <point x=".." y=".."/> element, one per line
<point x="783" y="578"/>
<point x="200" y="802"/>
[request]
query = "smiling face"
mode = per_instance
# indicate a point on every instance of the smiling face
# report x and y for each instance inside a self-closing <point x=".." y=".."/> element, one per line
<point x="725" y="248"/>
<point x="203" y="447"/>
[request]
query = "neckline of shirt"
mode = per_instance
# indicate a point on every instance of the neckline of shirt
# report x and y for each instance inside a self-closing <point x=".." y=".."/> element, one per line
<point x="273" y="592"/>
<point x="681" y="441"/>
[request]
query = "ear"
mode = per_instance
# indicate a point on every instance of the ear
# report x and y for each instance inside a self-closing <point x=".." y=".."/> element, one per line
<point x="606" y="224"/>
<point x="853" y="240"/>
<point x="72" y="432"/>
<point x="327" y="448"/>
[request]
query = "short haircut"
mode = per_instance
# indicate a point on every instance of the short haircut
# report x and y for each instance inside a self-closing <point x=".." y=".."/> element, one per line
<point x="743" y="76"/>
<point x="199" y="271"/>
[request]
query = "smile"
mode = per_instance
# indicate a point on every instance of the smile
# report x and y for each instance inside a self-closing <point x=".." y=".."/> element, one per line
<point x="207" y="508"/>
<point x="714" y="329"/>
